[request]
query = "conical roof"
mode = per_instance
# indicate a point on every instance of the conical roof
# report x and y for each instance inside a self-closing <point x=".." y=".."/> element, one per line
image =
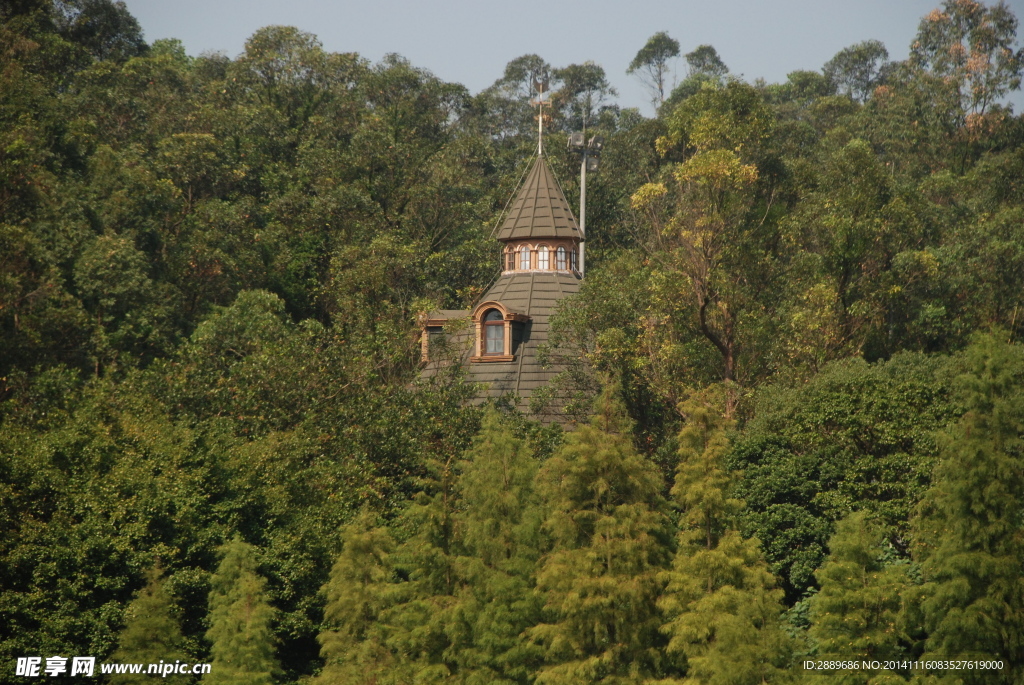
<point x="540" y="209"/>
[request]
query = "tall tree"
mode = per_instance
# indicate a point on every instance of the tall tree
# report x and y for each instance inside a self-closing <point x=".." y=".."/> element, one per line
<point x="700" y="229"/>
<point x="721" y="602"/>
<point x="611" y="541"/>
<point x="354" y="639"/>
<point x="968" y="536"/>
<point x="151" y="633"/>
<point x="857" y="70"/>
<point x="972" y="48"/>
<point x="704" y="61"/>
<point x="241" y="632"/>
<point x="651" y="64"/>
<point x="583" y="95"/>
<point x="106" y="29"/>
<point x="500" y="522"/>
<point x="856" y="612"/>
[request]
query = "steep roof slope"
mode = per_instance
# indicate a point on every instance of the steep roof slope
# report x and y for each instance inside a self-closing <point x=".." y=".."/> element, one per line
<point x="540" y="209"/>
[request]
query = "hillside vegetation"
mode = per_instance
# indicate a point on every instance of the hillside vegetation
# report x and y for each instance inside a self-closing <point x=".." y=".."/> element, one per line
<point x="796" y="393"/>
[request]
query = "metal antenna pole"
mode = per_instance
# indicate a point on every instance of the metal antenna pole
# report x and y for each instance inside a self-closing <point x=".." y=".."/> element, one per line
<point x="583" y="211"/>
<point x="540" y="125"/>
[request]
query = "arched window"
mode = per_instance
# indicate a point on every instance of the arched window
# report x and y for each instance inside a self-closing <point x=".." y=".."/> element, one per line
<point x="542" y="257"/>
<point x="560" y="259"/>
<point x="494" y="332"/>
<point x="524" y="258"/>
<point x="510" y="259"/>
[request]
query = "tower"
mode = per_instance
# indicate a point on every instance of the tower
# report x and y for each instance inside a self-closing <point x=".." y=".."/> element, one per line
<point x="499" y="339"/>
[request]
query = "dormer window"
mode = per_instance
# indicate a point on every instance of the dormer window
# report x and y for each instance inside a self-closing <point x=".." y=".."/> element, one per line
<point x="560" y="259"/>
<point x="524" y="258"/>
<point x="494" y="333"/>
<point x="542" y="257"/>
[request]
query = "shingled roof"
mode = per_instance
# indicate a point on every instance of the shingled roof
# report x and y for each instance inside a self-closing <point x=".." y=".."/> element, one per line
<point x="540" y="209"/>
<point x="535" y="294"/>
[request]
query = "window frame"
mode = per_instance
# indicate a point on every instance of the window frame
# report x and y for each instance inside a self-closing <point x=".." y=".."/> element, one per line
<point x="525" y="258"/>
<point x="491" y="324"/>
<point x="543" y="257"/>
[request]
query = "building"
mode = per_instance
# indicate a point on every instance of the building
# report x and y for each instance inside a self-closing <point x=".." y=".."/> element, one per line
<point x="498" y="340"/>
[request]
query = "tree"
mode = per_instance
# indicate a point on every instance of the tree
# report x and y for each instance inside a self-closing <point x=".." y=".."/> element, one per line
<point x="354" y="639"/>
<point x="243" y="641"/>
<point x="582" y="95"/>
<point x="705" y="237"/>
<point x="704" y="66"/>
<point x="970" y="47"/>
<point x="857" y="70"/>
<point x="106" y="29"/>
<point x="704" y="61"/>
<point x="651" y="64"/>
<point x="501" y="537"/>
<point x="854" y="436"/>
<point x="856" y="612"/>
<point x="507" y="113"/>
<point x="611" y="540"/>
<point x="721" y="602"/>
<point x="967" y="536"/>
<point x="151" y="633"/>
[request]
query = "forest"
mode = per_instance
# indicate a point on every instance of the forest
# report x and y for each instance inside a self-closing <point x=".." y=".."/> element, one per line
<point x="794" y="374"/>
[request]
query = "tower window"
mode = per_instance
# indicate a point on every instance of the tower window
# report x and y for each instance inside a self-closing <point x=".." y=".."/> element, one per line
<point x="524" y="258"/>
<point x="494" y="332"/>
<point x="560" y="259"/>
<point x="510" y="259"/>
<point x="542" y="257"/>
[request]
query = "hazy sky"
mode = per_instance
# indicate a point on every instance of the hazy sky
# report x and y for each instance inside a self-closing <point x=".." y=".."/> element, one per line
<point x="471" y="41"/>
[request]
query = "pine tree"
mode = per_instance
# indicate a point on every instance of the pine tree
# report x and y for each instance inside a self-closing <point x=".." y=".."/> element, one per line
<point x="856" y="613"/>
<point x="969" y="536"/>
<point x="151" y="633"/>
<point x="611" y="541"/>
<point x="451" y="602"/>
<point x="240" y="621"/>
<point x="361" y="590"/>
<point x="722" y="601"/>
<point x="390" y="606"/>
<point x="500" y="524"/>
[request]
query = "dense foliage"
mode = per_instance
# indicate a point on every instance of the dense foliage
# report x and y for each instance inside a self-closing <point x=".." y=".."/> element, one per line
<point x="796" y="418"/>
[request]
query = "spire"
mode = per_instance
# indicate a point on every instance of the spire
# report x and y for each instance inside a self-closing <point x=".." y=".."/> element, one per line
<point x="540" y="209"/>
<point x="541" y="84"/>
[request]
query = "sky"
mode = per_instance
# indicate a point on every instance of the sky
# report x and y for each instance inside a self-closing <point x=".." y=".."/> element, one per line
<point x="471" y="41"/>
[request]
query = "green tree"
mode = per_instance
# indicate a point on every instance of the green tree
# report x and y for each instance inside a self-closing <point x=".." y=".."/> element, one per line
<point x="151" y="634"/>
<point x="583" y="95"/>
<point x="855" y="436"/>
<point x="500" y="523"/>
<point x="704" y="61"/>
<point x="967" y="536"/>
<point x="610" y="541"/>
<point x="354" y="642"/>
<point x="856" y="612"/>
<point x="721" y="602"/>
<point x="972" y="48"/>
<point x="857" y="70"/>
<point x="242" y="640"/>
<point x="651" y="64"/>
<point x="106" y="29"/>
<point x="698" y="217"/>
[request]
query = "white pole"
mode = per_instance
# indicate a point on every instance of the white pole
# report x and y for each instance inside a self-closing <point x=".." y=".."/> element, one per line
<point x="583" y="209"/>
<point x="540" y="124"/>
